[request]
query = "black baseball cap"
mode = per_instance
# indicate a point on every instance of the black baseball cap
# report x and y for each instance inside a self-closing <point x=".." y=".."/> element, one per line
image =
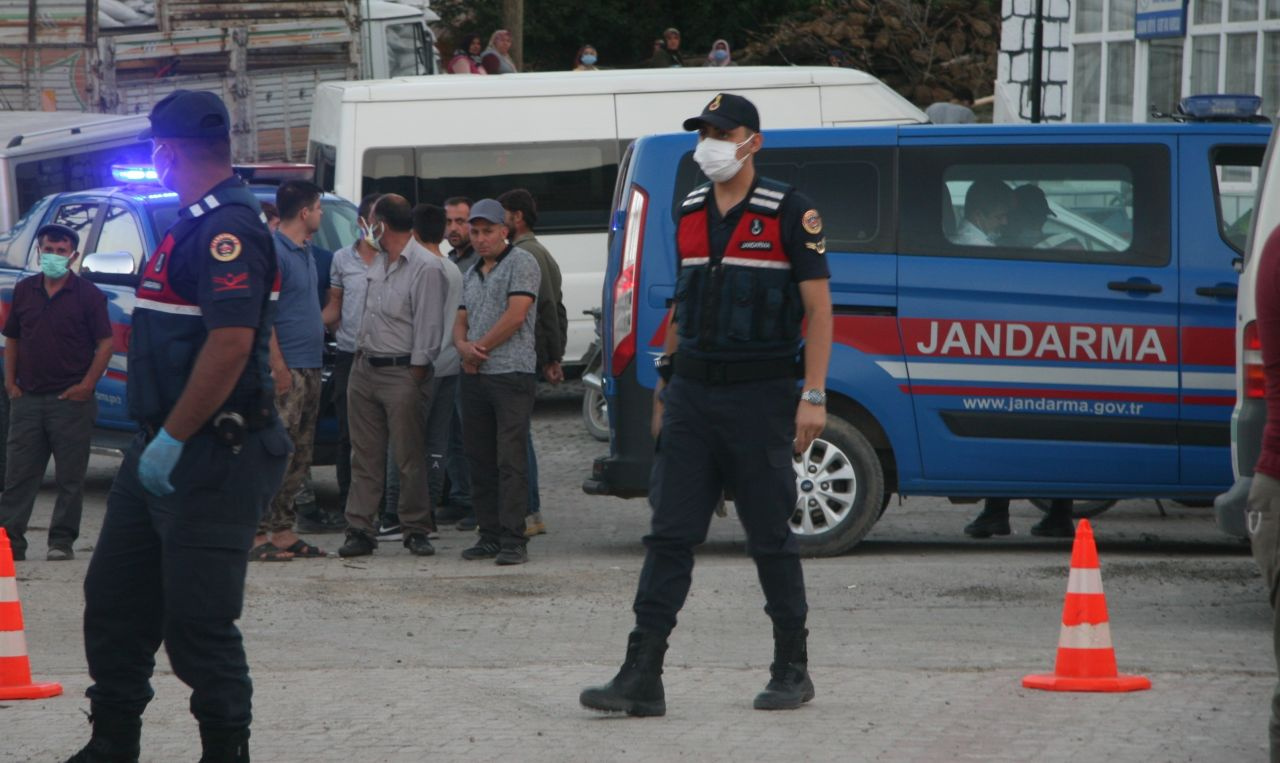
<point x="188" y="114"/>
<point x="59" y="231"/>
<point x="726" y="111"/>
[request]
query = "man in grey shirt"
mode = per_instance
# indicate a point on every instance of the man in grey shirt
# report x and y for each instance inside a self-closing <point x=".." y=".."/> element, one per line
<point x="957" y="111"/>
<point x="495" y="338"/>
<point x="390" y="388"/>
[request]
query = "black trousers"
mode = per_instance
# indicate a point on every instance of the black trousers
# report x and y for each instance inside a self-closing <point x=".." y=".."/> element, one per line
<point x="171" y="569"/>
<point x="341" y="380"/>
<point x="496" y="409"/>
<point x="41" y="426"/>
<point x="737" y="436"/>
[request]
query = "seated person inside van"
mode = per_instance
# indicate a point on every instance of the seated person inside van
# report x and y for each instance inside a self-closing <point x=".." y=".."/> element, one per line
<point x="986" y="214"/>
<point x="1027" y="217"/>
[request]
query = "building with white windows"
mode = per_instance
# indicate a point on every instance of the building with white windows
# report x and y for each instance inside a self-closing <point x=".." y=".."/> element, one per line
<point x="1118" y="60"/>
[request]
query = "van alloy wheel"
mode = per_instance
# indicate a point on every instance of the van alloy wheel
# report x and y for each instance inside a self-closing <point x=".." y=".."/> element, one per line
<point x="840" y="490"/>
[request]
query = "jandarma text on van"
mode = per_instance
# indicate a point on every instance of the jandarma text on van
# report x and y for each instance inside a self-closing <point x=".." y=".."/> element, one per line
<point x="1061" y="341"/>
<point x="1050" y="405"/>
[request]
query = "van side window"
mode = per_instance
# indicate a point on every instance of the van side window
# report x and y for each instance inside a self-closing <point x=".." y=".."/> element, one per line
<point x="850" y="187"/>
<point x="1235" y="186"/>
<point x="78" y="216"/>
<point x="120" y="233"/>
<point x="572" y="182"/>
<point x="1102" y="204"/>
<point x="80" y="171"/>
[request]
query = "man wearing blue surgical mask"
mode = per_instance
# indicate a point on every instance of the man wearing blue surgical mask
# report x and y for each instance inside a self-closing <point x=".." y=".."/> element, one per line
<point x="57" y="346"/>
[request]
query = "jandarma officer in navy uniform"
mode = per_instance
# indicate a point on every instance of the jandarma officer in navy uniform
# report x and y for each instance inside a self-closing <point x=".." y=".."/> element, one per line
<point x="170" y="563"/>
<point x="727" y="413"/>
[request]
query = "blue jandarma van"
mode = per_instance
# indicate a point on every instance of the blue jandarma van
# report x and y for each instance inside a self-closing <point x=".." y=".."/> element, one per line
<point x="1092" y="360"/>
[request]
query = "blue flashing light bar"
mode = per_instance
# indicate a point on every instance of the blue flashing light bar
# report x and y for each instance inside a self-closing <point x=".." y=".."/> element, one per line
<point x="134" y="173"/>
<point x="1221" y="106"/>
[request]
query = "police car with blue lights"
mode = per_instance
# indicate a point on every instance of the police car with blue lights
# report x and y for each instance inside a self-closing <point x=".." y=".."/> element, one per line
<point x="1020" y="310"/>
<point x="119" y="226"/>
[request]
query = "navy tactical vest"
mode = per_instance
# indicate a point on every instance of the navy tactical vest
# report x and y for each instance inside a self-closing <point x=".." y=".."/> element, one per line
<point x="743" y="303"/>
<point x="168" y="332"/>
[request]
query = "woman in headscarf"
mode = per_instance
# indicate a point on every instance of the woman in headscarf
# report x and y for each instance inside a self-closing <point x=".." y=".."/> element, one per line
<point x="586" y="59"/>
<point x="496" y="58"/>
<point x="720" y="55"/>
<point x="466" y="59"/>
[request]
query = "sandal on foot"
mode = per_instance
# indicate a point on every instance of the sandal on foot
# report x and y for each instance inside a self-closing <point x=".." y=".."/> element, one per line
<point x="267" y="552"/>
<point x="304" y="550"/>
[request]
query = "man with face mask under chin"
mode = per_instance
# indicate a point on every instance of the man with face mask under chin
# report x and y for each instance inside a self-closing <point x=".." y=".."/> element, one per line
<point x="169" y="566"/>
<point x="751" y="268"/>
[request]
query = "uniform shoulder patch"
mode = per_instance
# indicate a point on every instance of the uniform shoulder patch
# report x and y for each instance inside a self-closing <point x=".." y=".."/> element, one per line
<point x="812" y="222"/>
<point x="225" y="247"/>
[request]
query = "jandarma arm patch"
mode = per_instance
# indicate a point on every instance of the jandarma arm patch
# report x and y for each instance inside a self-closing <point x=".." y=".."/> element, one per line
<point x="812" y="222"/>
<point x="225" y="247"/>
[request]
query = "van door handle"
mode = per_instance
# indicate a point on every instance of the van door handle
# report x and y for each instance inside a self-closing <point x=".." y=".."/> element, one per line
<point x="1146" y="287"/>
<point x="1224" y="291"/>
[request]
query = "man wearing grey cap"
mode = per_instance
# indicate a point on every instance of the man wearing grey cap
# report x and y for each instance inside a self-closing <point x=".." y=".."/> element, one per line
<point x="494" y="335"/>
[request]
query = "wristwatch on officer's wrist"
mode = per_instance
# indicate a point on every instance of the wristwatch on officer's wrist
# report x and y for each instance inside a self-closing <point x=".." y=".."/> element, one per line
<point x="664" y="366"/>
<point x="814" y="397"/>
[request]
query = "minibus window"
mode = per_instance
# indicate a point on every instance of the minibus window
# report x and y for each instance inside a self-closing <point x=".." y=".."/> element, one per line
<point x="79" y="171"/>
<point x="573" y="183"/>
<point x="1235" y="188"/>
<point x="1037" y="203"/>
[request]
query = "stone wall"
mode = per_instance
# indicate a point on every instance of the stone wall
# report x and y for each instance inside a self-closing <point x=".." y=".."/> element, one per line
<point x="1013" y="70"/>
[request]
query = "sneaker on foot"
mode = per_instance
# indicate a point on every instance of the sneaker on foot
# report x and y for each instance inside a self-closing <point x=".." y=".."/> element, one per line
<point x="533" y="525"/>
<point x="1054" y="527"/>
<point x="510" y="555"/>
<point x="60" y="554"/>
<point x="390" y="532"/>
<point x="419" y="545"/>
<point x="358" y="544"/>
<point x="468" y="524"/>
<point x="484" y="549"/>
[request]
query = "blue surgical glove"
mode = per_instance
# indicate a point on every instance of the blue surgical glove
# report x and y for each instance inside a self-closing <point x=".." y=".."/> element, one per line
<point x="157" y="462"/>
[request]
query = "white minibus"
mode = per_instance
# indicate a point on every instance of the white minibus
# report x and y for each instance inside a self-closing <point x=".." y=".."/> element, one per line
<point x="44" y="152"/>
<point x="560" y="135"/>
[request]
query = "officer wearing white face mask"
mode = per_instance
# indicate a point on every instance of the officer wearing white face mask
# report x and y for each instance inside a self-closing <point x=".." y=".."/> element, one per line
<point x="726" y="410"/>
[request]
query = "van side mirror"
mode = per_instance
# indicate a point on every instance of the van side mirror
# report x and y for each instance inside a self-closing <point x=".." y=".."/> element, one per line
<point x="109" y="267"/>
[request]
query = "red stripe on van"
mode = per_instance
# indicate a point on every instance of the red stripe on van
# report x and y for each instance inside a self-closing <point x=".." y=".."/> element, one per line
<point x="1209" y="346"/>
<point x="872" y="334"/>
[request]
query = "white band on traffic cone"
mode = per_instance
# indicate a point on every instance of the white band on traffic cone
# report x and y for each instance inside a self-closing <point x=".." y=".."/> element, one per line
<point x="1088" y="580"/>
<point x="1085" y="636"/>
<point x="13" y="644"/>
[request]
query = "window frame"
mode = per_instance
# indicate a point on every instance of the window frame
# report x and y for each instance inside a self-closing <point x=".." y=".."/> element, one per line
<point x="1215" y="153"/>
<point x="1150" y="166"/>
<point x="610" y="148"/>
<point x="883" y="159"/>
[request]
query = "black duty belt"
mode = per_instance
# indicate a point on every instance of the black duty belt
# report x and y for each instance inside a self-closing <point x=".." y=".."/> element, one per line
<point x="399" y="360"/>
<point x="713" y="372"/>
<point x="229" y="425"/>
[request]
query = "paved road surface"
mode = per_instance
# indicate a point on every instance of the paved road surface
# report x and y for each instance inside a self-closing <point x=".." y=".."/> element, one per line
<point x="919" y="639"/>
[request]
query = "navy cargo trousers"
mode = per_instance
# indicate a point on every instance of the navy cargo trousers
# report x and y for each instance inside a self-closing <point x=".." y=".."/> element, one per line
<point x="171" y="569"/>
<point x="735" y="436"/>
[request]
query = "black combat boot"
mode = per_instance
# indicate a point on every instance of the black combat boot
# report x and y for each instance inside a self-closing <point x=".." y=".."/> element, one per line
<point x="115" y="739"/>
<point x="789" y="685"/>
<point x="994" y="519"/>
<point x="637" y="689"/>
<point x="224" y="745"/>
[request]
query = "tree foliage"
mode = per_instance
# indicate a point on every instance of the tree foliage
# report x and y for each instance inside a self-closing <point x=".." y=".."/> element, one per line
<point x="622" y="31"/>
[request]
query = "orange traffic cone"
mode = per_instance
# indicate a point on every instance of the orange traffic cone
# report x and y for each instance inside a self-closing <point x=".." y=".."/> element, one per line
<point x="1086" y="660"/>
<point x="15" y="668"/>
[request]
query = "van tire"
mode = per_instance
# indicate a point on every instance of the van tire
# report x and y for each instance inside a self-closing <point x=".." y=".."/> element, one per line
<point x="864" y="493"/>
<point x="595" y="414"/>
